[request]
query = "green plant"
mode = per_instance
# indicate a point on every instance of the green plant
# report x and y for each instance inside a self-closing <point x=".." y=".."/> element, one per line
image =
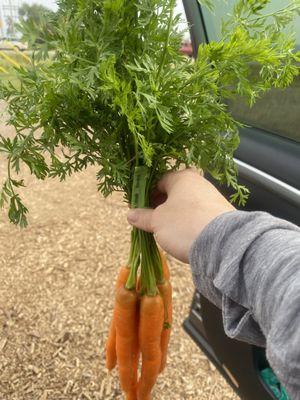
<point x="35" y="23"/>
<point x="118" y="94"/>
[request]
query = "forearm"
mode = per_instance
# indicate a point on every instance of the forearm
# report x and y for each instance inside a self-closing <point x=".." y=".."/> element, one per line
<point x="248" y="264"/>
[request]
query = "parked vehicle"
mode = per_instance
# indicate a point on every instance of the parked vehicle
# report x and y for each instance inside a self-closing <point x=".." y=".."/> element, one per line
<point x="268" y="160"/>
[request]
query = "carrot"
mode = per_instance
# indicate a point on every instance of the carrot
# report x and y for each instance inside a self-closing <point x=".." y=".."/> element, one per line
<point x="126" y="320"/>
<point x="165" y="290"/>
<point x="166" y="270"/>
<point x="138" y="284"/>
<point x="122" y="277"/>
<point x="111" y="354"/>
<point x="131" y="396"/>
<point x="150" y="330"/>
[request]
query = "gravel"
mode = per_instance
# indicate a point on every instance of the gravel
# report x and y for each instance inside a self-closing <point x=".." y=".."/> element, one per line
<point x="56" y="297"/>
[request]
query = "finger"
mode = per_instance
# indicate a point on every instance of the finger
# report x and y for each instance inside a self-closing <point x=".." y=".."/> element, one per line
<point x="166" y="182"/>
<point x="169" y="180"/>
<point x="141" y="218"/>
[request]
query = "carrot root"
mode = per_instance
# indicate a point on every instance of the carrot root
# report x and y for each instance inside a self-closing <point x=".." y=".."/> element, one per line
<point x="165" y="290"/>
<point x="151" y="326"/>
<point x="131" y="396"/>
<point x="165" y="267"/>
<point x="111" y="353"/>
<point x="126" y="319"/>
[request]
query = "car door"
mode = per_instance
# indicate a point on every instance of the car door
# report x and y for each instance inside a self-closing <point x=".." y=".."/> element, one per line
<point x="268" y="161"/>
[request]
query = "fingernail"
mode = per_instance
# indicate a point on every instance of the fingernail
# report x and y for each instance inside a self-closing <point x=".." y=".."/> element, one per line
<point x="132" y="217"/>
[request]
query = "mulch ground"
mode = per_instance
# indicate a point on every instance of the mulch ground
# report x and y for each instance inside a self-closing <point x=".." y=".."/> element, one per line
<point x="56" y="298"/>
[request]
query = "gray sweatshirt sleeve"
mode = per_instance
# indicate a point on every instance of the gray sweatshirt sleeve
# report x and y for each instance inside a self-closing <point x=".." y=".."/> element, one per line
<point x="248" y="264"/>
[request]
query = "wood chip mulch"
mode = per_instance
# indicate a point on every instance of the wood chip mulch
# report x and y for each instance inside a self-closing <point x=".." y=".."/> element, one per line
<point x="56" y="298"/>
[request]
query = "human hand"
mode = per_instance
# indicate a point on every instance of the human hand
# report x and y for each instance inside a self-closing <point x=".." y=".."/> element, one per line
<point x="184" y="203"/>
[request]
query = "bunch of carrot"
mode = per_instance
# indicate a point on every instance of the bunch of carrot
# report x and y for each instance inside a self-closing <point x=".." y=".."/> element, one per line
<point x="141" y="325"/>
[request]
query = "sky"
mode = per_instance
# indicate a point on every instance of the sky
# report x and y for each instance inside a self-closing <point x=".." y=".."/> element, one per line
<point x="48" y="3"/>
<point x="52" y="4"/>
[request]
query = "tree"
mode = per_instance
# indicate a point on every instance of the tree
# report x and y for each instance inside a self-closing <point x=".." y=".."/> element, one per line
<point x="35" y="22"/>
<point x="34" y="12"/>
<point x="11" y="31"/>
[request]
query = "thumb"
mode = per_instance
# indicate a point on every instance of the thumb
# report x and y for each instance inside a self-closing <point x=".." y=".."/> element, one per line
<point x="141" y="218"/>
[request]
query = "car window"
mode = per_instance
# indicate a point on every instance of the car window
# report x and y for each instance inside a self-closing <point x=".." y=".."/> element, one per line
<point x="278" y="111"/>
<point x="186" y="45"/>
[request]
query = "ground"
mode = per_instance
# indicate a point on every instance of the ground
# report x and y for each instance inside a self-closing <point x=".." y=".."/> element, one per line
<point x="56" y="298"/>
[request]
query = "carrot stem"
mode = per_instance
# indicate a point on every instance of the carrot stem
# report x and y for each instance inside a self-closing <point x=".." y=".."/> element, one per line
<point x="134" y="260"/>
<point x="144" y="251"/>
<point x="148" y="280"/>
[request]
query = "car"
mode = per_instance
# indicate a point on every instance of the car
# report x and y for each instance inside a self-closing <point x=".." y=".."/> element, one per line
<point x="268" y="161"/>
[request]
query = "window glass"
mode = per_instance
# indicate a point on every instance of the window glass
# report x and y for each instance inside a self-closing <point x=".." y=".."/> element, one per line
<point x="278" y="111"/>
<point x="186" y="45"/>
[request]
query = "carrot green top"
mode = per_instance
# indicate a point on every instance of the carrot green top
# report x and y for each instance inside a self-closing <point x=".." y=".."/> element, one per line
<point x="108" y="87"/>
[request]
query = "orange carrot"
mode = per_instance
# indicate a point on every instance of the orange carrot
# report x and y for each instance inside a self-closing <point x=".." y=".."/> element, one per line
<point x="138" y="284"/>
<point x="111" y="354"/>
<point x="122" y="277"/>
<point x="131" y="396"/>
<point x="165" y="290"/>
<point x="150" y="330"/>
<point x="166" y="270"/>
<point x="126" y="319"/>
